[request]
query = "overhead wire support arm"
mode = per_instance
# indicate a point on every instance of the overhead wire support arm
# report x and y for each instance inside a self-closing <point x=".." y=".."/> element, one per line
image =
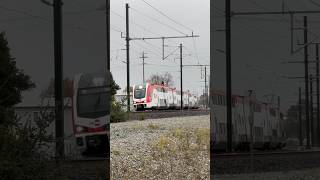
<point x="199" y="65"/>
<point x="162" y="38"/>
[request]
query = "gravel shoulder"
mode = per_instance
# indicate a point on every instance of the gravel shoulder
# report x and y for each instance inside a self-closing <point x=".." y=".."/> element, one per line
<point x="168" y="148"/>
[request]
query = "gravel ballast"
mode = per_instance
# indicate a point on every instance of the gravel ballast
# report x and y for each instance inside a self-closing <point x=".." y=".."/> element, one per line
<point x="169" y="148"/>
<point x="309" y="174"/>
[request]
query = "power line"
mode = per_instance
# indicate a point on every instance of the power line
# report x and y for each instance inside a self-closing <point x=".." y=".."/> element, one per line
<point x="117" y="30"/>
<point x="158" y="21"/>
<point x="166" y="15"/>
<point x="36" y="16"/>
<point x="313" y="2"/>
<point x="138" y="25"/>
<point x="257" y="5"/>
<point x="151" y="51"/>
<point x="218" y="9"/>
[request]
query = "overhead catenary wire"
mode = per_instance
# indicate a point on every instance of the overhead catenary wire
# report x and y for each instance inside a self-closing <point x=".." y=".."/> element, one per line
<point x="157" y="53"/>
<point x="154" y="19"/>
<point x="314" y="3"/>
<point x="137" y="25"/>
<point x="167" y="16"/>
<point x="43" y="19"/>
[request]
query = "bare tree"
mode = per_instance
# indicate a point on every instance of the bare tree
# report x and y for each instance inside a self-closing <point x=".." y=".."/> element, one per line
<point x="49" y="91"/>
<point x="165" y="78"/>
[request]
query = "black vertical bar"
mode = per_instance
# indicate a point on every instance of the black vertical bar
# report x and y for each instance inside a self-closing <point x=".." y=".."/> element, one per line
<point x="108" y="32"/>
<point x="228" y="75"/>
<point x="318" y="96"/>
<point x="128" y="61"/>
<point x="311" y="111"/>
<point x="306" y="73"/>
<point x="181" y="89"/>
<point x="300" y="118"/>
<point x="58" y="72"/>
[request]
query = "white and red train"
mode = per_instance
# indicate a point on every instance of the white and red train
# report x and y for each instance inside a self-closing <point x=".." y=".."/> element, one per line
<point x="266" y="125"/>
<point x="154" y="96"/>
<point x="91" y="112"/>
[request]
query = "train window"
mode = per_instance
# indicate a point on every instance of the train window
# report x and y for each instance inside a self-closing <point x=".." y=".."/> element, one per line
<point x="257" y="107"/>
<point x="35" y="116"/>
<point x="274" y="133"/>
<point x="273" y="112"/>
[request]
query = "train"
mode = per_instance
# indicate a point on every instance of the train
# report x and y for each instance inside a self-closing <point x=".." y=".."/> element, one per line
<point x="160" y="96"/>
<point x="91" y="103"/>
<point x="267" y="132"/>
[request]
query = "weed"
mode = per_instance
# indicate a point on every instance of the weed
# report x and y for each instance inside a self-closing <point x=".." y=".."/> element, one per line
<point x="141" y="117"/>
<point x="153" y="126"/>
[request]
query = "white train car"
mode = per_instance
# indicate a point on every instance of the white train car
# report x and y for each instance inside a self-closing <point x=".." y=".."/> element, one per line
<point x="153" y="96"/>
<point x="265" y="128"/>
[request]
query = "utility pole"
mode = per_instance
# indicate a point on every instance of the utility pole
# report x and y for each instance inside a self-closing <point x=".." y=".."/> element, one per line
<point x="300" y="119"/>
<point x="311" y="111"/>
<point x="228" y="15"/>
<point x="205" y="86"/>
<point x="181" y="100"/>
<point x="318" y="97"/>
<point x="143" y="57"/>
<point x="58" y="73"/>
<point x="306" y="76"/>
<point x="205" y="91"/>
<point x="128" y="57"/>
<point x="251" y="121"/>
<point x="228" y="74"/>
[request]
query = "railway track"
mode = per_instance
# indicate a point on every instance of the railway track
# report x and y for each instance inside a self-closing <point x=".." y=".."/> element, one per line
<point x="93" y="159"/>
<point x="157" y="114"/>
<point x="236" y="163"/>
<point x="264" y="154"/>
<point x="86" y="168"/>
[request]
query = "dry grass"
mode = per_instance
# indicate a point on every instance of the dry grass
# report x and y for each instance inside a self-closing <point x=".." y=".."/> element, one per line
<point x="175" y="154"/>
<point x="153" y="126"/>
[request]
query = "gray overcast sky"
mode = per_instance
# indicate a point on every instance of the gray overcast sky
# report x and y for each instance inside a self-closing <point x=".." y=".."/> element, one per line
<point x="147" y="22"/>
<point x="259" y="45"/>
<point x="29" y="29"/>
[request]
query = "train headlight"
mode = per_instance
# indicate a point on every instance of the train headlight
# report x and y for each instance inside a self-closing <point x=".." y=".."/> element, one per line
<point x="79" y="129"/>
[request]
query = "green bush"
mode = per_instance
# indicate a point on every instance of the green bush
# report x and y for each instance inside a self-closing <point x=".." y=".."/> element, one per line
<point x="20" y="157"/>
<point x="117" y="113"/>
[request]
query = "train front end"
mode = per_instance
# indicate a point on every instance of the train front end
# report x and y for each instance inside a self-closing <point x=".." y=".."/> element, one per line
<point x="91" y="113"/>
<point x="142" y="97"/>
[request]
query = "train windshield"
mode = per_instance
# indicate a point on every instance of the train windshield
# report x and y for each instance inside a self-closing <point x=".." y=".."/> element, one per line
<point x="93" y="103"/>
<point x="140" y="92"/>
